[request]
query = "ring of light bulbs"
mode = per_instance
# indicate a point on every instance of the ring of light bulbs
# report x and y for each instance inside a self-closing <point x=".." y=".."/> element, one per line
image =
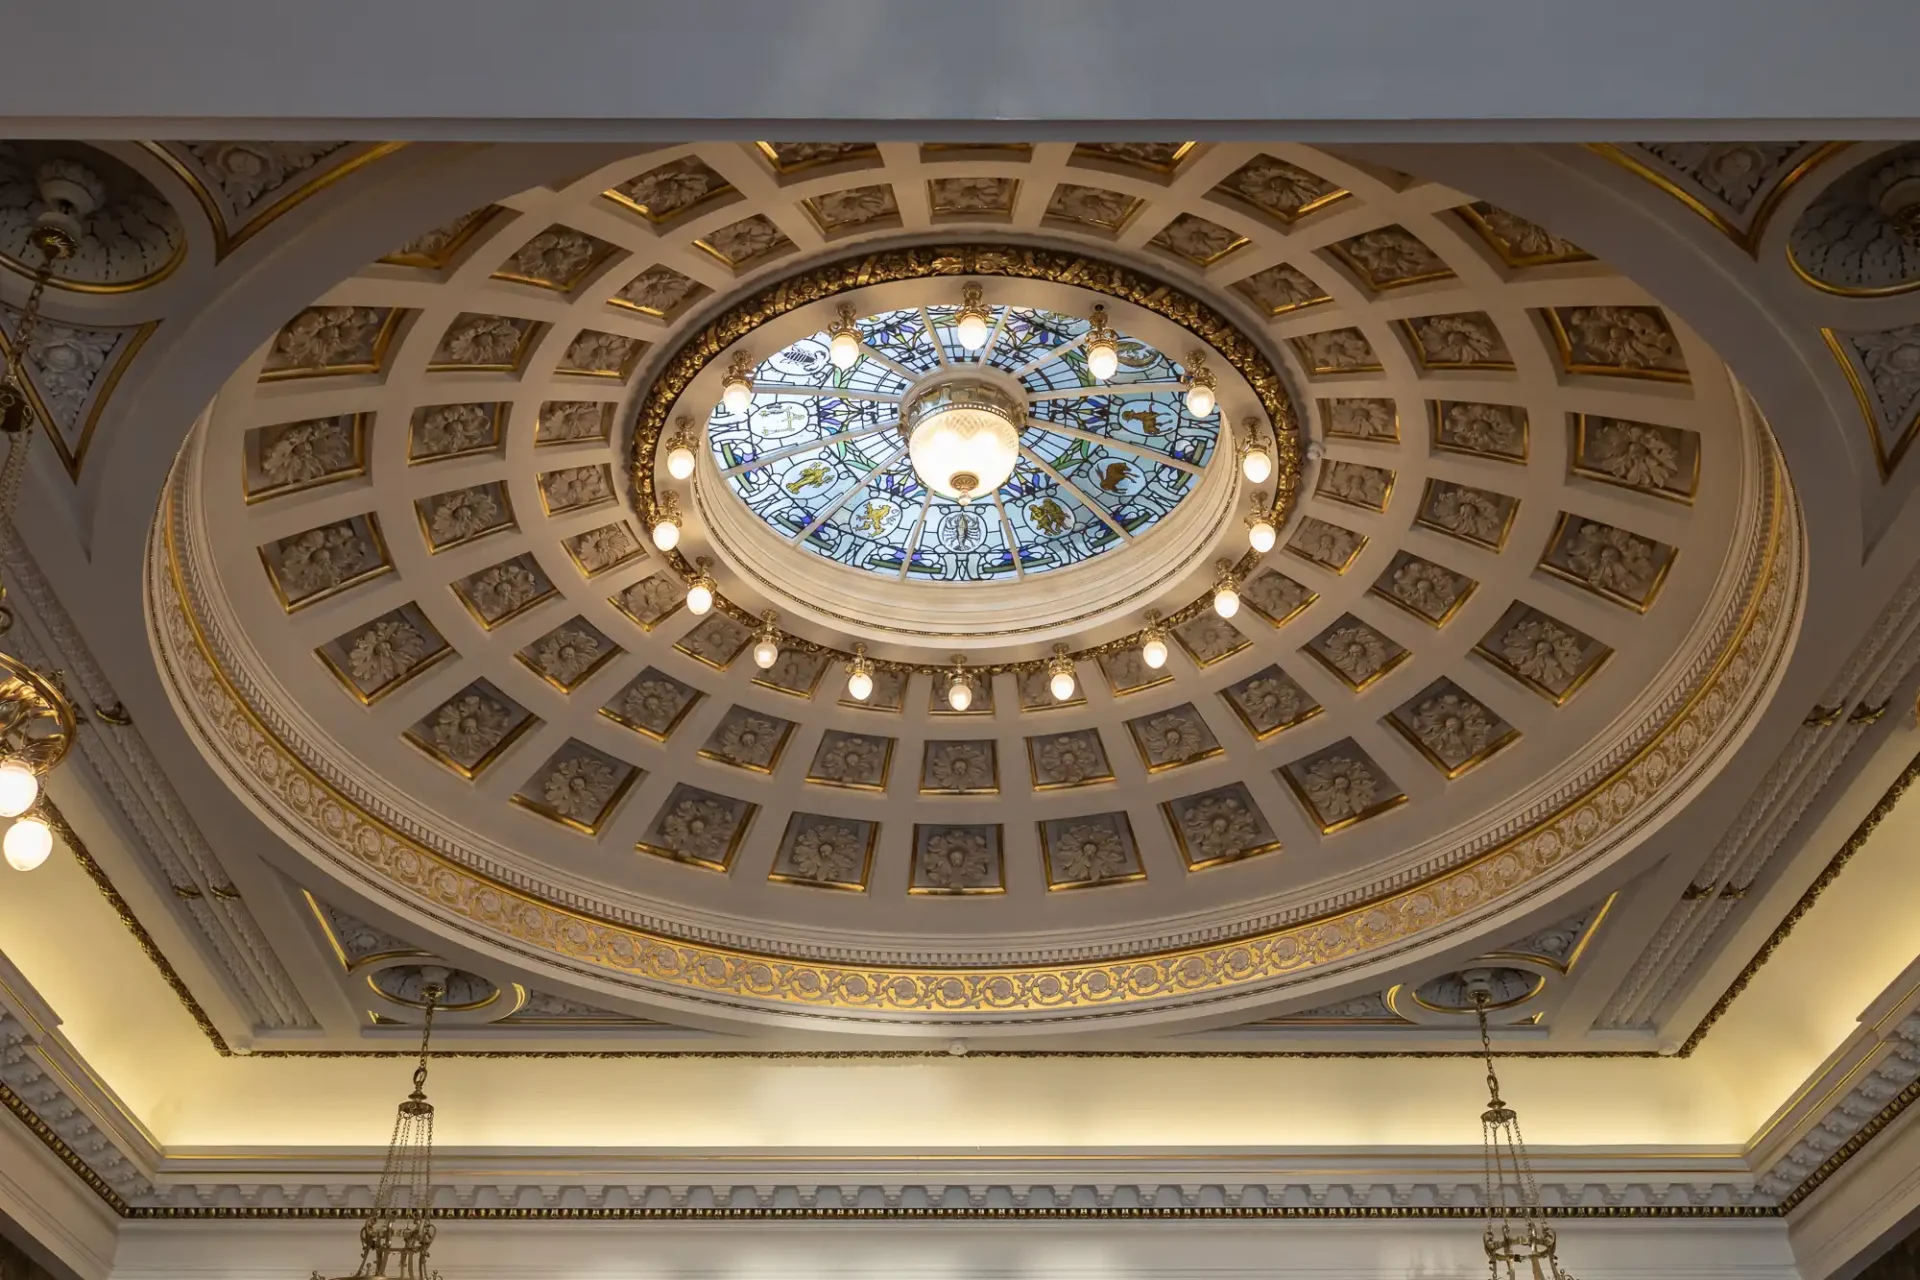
<point x="1260" y="457"/>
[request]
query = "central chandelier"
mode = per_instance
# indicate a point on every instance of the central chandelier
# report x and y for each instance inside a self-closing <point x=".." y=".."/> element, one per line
<point x="394" y="1241"/>
<point x="963" y="436"/>
<point x="1517" y="1236"/>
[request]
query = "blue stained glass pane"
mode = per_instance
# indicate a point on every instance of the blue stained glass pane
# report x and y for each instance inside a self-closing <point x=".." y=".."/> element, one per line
<point x="1155" y="420"/>
<point x="1053" y="527"/>
<point x="962" y="544"/>
<point x="1138" y="363"/>
<point x="901" y="336"/>
<point x="1027" y="334"/>
<point x="777" y="423"/>
<point x="1132" y="489"/>
<point x="805" y="485"/>
<point x="1142" y="363"/>
<point x="871" y="375"/>
<point x="798" y="364"/>
<point x="872" y="528"/>
<point x="1059" y="373"/>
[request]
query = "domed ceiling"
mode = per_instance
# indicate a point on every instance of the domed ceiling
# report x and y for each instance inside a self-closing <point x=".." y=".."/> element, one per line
<point x="1536" y="563"/>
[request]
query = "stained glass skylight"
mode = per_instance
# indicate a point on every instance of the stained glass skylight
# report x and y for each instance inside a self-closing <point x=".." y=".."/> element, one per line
<point x="818" y="454"/>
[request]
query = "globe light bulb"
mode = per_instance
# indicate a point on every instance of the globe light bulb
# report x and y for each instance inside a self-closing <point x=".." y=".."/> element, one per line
<point x="27" y="844"/>
<point x="960" y="694"/>
<point x="766" y="646"/>
<point x="1103" y="358"/>
<point x="1201" y="397"/>
<point x="1062" y="685"/>
<point x="970" y="326"/>
<point x="1153" y="652"/>
<point x="736" y="390"/>
<point x="666" y="533"/>
<point x="972" y="331"/>
<point x="19" y="788"/>
<point x="680" y="462"/>
<point x="1256" y="464"/>
<point x="1261" y="535"/>
<point x="700" y="597"/>
<point x="844" y="350"/>
<point x="1226" y="600"/>
<point x="859" y="684"/>
<point x="1103" y="346"/>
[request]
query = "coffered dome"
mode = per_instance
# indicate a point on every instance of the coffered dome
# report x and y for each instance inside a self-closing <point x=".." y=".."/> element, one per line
<point x="1536" y="562"/>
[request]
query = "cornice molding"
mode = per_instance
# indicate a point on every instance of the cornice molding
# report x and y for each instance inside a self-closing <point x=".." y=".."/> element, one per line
<point x="1804" y="773"/>
<point x="49" y="1089"/>
<point x="1888" y="1081"/>
<point x="1828" y="874"/>
<point x="138" y="790"/>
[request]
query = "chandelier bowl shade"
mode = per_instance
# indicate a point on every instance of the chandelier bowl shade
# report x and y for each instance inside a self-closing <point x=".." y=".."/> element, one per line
<point x="963" y="436"/>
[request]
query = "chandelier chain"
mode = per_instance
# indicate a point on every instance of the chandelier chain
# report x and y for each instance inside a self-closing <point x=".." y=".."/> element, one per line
<point x="55" y="246"/>
<point x="1517" y="1236"/>
<point x="398" y="1235"/>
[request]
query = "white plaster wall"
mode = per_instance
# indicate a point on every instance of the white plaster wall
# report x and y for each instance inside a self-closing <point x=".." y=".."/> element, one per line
<point x="1674" y="1250"/>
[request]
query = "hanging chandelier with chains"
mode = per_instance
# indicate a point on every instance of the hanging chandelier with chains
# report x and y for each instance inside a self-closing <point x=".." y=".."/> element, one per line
<point x="37" y="719"/>
<point x="397" y="1235"/>
<point x="1519" y="1243"/>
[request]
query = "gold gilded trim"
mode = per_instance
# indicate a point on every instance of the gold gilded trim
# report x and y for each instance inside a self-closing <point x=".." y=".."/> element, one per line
<point x="1886" y="459"/>
<point x="1749" y="238"/>
<point x="552" y="814"/>
<point x="729" y="974"/>
<point x="347" y="963"/>
<point x="72" y="459"/>
<point x="1844" y="291"/>
<point x="225" y="240"/>
<point x="96" y="873"/>
<point x="1565" y="967"/>
<point x="147" y="281"/>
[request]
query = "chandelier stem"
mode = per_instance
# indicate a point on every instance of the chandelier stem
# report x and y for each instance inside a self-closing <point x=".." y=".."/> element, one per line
<point x="433" y="993"/>
<point x="397" y="1236"/>
<point x="55" y="246"/>
<point x="1486" y="1049"/>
